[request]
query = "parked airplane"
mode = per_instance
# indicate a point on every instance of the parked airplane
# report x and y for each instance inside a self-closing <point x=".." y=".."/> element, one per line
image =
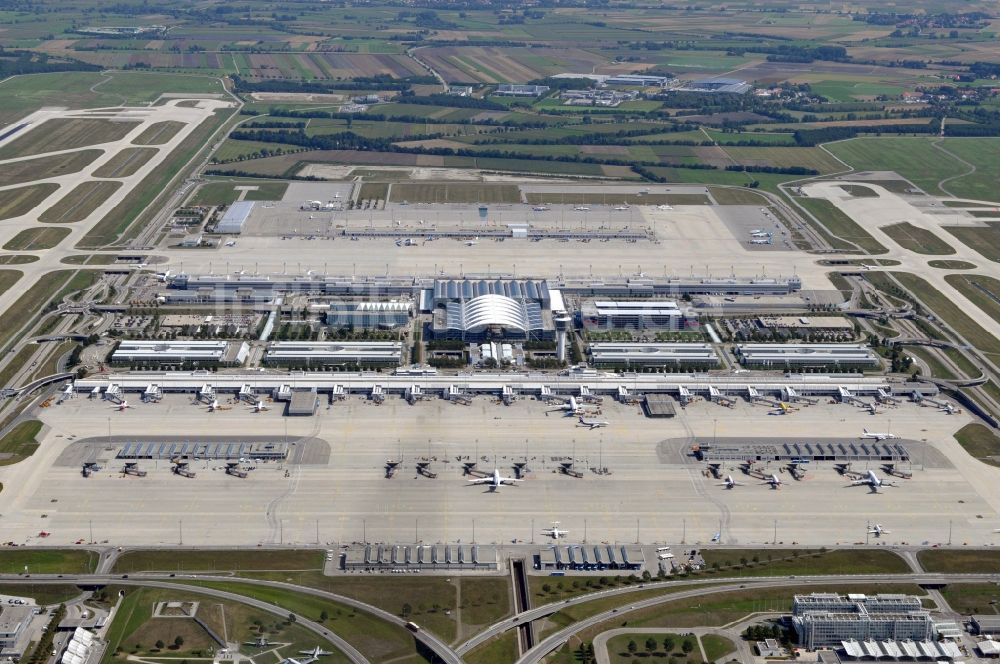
<point x="949" y="408"/>
<point x="760" y="240"/>
<point x="877" y="530"/>
<point x="730" y="483"/>
<point x="592" y="423"/>
<point x="260" y="407"/>
<point x="214" y="406"/>
<point x="540" y="208"/>
<point x="582" y="208"/>
<point x="573" y="407"/>
<point x="621" y="208"/>
<point x="872" y="480"/>
<point x="471" y="242"/>
<point x="495" y="480"/>
<point x="773" y="480"/>
<point x="554" y="532"/>
<point x="878" y="435"/>
<point x="664" y="207"/>
<point x="315" y="653"/>
<point x="123" y="406"/>
<point x="259" y="642"/>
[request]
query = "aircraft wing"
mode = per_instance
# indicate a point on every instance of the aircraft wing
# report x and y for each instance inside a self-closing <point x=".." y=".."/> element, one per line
<point x="481" y="480"/>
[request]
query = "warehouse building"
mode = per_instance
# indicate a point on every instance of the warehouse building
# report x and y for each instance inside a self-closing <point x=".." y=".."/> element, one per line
<point x="420" y="557"/>
<point x="632" y="315"/>
<point x="369" y="315"/>
<point x="641" y="355"/>
<point x="825" y="620"/>
<point x="590" y="557"/>
<point x="235" y="217"/>
<point x="985" y="624"/>
<point x="641" y="80"/>
<point x="806" y="356"/>
<point x="180" y="353"/>
<point x="334" y="354"/>
<point x="734" y="86"/>
<point x="510" y="90"/>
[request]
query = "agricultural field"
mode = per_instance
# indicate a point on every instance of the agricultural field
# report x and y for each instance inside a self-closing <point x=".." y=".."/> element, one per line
<point x="66" y="134"/>
<point x="38" y="237"/>
<point x="814" y="158"/>
<point x="79" y="203"/>
<point x="475" y="64"/>
<point x="22" y="200"/>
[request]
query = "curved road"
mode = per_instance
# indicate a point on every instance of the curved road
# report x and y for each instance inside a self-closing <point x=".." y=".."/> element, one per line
<point x="432" y="642"/>
<point x="724" y="585"/>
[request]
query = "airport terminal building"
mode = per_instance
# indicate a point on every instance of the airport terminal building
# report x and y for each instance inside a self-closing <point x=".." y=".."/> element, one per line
<point x="482" y="310"/>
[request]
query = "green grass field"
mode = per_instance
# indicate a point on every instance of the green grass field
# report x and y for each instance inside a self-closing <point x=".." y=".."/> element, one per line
<point x="780" y="562"/>
<point x="947" y="311"/>
<point x="980" y="442"/>
<point x="51" y="166"/>
<point x="47" y="561"/>
<point x="78" y="204"/>
<point x="224" y="193"/>
<point x="126" y="162"/>
<point x="374" y="638"/>
<point x="737" y="196"/>
<point x="972" y="598"/>
<point x="839" y="226"/>
<point x="859" y="191"/>
<point x="498" y="650"/>
<point x="458" y="192"/>
<point x="65" y="134"/>
<point x="208" y="560"/>
<point x="10" y="259"/>
<point x="34" y="300"/>
<point x="158" y="133"/>
<point x="716" y="647"/>
<point x="815" y="158"/>
<point x="38" y="237"/>
<point x="951" y="561"/>
<point x="134" y="631"/>
<point x="450" y="607"/>
<point x="951" y="265"/>
<point x="918" y="240"/>
<point x="619" y="651"/>
<point x="20" y="201"/>
<point x="984" y="239"/>
<point x="915" y="159"/>
<point x="980" y="289"/>
<point x="980" y="152"/>
<point x="18" y="445"/>
<point x="577" y="198"/>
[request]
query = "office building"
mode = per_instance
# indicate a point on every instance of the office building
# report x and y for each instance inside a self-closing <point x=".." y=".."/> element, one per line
<point x="824" y="620"/>
<point x="632" y="315"/>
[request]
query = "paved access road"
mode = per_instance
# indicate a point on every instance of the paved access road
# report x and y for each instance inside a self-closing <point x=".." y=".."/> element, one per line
<point x="432" y="642"/>
<point x="725" y="585"/>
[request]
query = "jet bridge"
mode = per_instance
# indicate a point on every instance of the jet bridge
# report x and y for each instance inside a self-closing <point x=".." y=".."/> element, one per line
<point x="715" y="396"/>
